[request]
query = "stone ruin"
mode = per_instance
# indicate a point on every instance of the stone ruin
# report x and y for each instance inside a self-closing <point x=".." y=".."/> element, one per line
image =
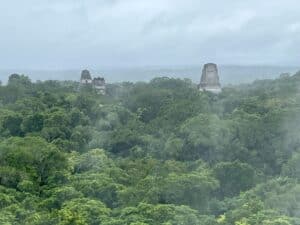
<point x="210" y="79"/>
<point x="86" y="77"/>
<point x="97" y="83"/>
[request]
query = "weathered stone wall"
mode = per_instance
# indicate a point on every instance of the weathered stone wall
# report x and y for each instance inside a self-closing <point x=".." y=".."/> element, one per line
<point x="86" y="77"/>
<point x="210" y="78"/>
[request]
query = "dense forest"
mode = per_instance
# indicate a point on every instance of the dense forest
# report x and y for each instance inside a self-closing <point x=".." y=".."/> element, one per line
<point x="149" y="153"/>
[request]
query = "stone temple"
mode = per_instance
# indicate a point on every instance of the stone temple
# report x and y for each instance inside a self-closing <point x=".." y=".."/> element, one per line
<point x="210" y="79"/>
<point x="86" y="77"/>
<point x="98" y="83"/>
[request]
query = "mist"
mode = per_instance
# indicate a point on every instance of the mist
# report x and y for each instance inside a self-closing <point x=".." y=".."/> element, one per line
<point x="229" y="74"/>
<point x="104" y="119"/>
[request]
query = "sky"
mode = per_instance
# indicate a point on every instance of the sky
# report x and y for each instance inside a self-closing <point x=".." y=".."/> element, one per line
<point x="70" y="34"/>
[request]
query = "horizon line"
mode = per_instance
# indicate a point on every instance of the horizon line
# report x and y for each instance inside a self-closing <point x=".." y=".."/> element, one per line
<point x="147" y="67"/>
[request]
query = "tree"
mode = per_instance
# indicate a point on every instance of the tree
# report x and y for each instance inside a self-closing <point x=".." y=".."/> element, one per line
<point x="83" y="211"/>
<point x="33" y="123"/>
<point x="207" y="137"/>
<point x="234" y="178"/>
<point x="34" y="159"/>
<point x="12" y="123"/>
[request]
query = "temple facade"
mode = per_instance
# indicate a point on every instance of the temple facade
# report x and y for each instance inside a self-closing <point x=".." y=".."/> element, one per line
<point x="210" y="79"/>
<point x="86" y="77"/>
<point x="98" y="83"/>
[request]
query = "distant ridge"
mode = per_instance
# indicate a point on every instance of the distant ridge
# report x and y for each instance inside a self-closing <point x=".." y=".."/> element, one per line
<point x="230" y="74"/>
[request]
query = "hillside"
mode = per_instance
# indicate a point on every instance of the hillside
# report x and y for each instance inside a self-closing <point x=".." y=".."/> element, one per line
<point x="149" y="153"/>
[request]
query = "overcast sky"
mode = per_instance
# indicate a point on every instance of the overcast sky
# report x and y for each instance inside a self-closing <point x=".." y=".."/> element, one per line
<point x="69" y="34"/>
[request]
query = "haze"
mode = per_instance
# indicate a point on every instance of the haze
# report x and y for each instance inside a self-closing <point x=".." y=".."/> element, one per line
<point x="72" y="34"/>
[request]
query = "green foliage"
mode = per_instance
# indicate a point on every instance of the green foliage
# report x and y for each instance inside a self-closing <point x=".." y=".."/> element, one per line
<point x="149" y="153"/>
<point x="83" y="211"/>
<point x="234" y="177"/>
<point x="30" y="161"/>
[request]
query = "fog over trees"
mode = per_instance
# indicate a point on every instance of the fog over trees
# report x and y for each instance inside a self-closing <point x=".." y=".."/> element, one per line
<point x="142" y="136"/>
<point x="157" y="152"/>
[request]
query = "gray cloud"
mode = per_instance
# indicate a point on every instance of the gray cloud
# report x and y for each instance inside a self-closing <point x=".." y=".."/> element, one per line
<point x="64" y="34"/>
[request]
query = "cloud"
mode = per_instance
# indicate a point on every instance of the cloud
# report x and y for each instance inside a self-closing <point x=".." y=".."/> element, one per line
<point x="75" y="33"/>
